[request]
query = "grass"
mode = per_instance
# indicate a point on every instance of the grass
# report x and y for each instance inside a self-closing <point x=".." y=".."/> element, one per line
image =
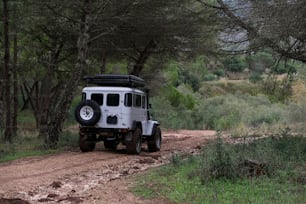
<point x="173" y="183"/>
<point x="30" y="145"/>
<point x="188" y="181"/>
<point x="21" y="148"/>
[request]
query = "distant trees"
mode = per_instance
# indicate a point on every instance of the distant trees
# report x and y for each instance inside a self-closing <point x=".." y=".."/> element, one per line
<point x="279" y="25"/>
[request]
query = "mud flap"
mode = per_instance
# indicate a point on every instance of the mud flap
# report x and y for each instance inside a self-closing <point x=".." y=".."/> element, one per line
<point x="128" y="137"/>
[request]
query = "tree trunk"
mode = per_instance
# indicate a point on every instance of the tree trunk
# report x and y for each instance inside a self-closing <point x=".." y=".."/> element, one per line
<point x="103" y="64"/>
<point x="1" y="101"/>
<point x="143" y="57"/>
<point x="47" y="100"/>
<point x="15" y="80"/>
<point x="7" y="81"/>
<point x="58" y="117"/>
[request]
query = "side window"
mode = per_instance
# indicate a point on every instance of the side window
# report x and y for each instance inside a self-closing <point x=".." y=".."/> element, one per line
<point x="112" y="100"/>
<point x="97" y="98"/>
<point x="144" y="102"/>
<point x="137" y="101"/>
<point x="128" y="99"/>
<point x="83" y="96"/>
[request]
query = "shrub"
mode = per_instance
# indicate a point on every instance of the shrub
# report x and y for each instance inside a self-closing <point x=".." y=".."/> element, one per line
<point x="255" y="77"/>
<point x="234" y="64"/>
<point x="277" y="154"/>
<point x="75" y="102"/>
<point x="68" y="140"/>
<point x="296" y="113"/>
<point x="220" y="113"/>
<point x="217" y="163"/>
<point x="210" y="77"/>
<point x="219" y="72"/>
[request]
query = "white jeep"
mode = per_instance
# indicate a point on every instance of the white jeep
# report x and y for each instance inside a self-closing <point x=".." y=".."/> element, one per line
<point x="114" y="110"/>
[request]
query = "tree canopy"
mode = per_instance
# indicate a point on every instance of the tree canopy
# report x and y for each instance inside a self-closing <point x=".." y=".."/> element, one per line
<point x="279" y="25"/>
<point x="60" y="41"/>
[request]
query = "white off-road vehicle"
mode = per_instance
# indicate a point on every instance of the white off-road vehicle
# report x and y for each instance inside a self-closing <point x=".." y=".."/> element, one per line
<point x="114" y="110"/>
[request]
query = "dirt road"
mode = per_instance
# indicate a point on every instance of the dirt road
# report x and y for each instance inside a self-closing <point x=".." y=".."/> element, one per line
<point x="95" y="177"/>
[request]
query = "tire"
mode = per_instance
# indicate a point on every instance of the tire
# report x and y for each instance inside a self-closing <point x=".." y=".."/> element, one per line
<point x="110" y="144"/>
<point x="88" y="113"/>
<point x="154" y="144"/>
<point x="87" y="142"/>
<point x="134" y="146"/>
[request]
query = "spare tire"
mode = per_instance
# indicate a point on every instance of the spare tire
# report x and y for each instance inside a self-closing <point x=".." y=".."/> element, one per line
<point x="88" y="113"/>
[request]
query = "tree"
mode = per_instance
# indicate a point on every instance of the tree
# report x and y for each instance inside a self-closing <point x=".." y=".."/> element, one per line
<point x="279" y="25"/>
<point x="7" y="74"/>
<point x="165" y="28"/>
<point x="61" y="33"/>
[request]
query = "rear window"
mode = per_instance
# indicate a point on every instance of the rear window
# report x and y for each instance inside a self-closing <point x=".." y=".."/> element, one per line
<point x="112" y="100"/>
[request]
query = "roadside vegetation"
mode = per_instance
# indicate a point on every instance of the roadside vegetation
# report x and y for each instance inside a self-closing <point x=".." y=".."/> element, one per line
<point x="267" y="163"/>
<point x="269" y="170"/>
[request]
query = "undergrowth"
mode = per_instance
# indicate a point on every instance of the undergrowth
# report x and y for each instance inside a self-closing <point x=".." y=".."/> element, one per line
<point x="28" y="145"/>
<point x="220" y="174"/>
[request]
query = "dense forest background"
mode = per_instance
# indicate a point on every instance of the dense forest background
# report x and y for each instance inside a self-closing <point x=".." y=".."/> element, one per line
<point x="235" y="65"/>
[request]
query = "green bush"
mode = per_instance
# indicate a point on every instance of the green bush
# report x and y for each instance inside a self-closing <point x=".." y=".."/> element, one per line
<point x="75" y="102"/>
<point x="210" y="77"/>
<point x="255" y="77"/>
<point x="68" y="140"/>
<point x="218" y="163"/>
<point x="234" y="64"/>
<point x="277" y="154"/>
<point x="219" y="72"/>
<point x="226" y="112"/>
<point x="296" y="113"/>
<point x="220" y="113"/>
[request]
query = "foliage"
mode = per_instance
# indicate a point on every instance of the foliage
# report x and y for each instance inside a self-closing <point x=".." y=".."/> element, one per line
<point x="222" y="112"/>
<point x="255" y="77"/>
<point x="210" y="77"/>
<point x="68" y="140"/>
<point x="225" y="112"/>
<point x="278" y="90"/>
<point x="278" y="153"/>
<point x="260" y="61"/>
<point x="261" y="24"/>
<point x="28" y="145"/>
<point x="234" y="64"/>
<point x="223" y="87"/>
<point x="193" y="180"/>
<point x="220" y="164"/>
<point x="219" y="73"/>
<point x="22" y="147"/>
<point x="172" y="117"/>
<point x="191" y="73"/>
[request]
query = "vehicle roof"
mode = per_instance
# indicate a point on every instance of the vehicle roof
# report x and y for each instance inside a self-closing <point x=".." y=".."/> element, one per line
<point x="110" y="89"/>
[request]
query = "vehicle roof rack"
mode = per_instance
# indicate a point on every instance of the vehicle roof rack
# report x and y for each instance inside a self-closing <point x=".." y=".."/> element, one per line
<point x="119" y="80"/>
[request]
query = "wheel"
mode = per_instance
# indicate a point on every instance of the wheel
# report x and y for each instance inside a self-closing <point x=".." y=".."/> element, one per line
<point x="110" y="144"/>
<point x="134" y="146"/>
<point x="88" y="113"/>
<point x="154" y="143"/>
<point x="87" y="142"/>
